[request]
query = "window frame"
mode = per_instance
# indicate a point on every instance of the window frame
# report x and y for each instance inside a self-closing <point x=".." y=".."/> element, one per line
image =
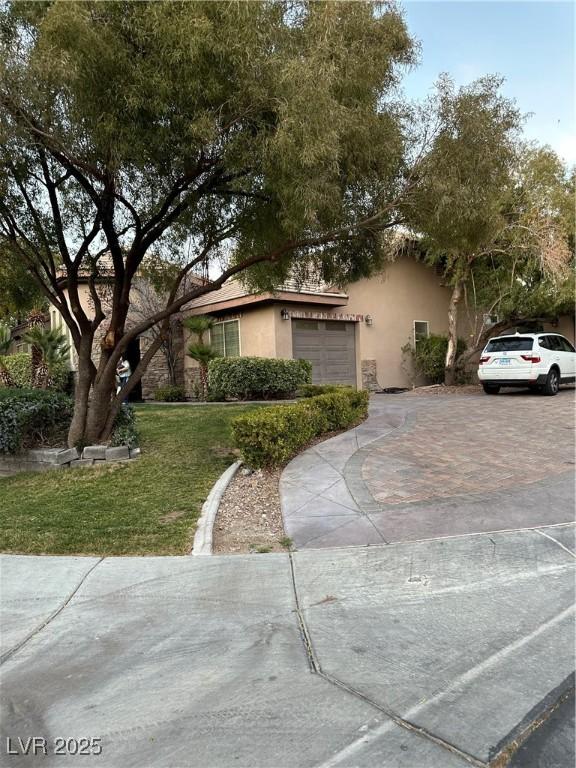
<point x="223" y="323"/>
<point x="427" y="323"/>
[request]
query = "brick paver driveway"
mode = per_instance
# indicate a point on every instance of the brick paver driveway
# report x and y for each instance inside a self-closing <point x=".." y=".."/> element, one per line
<point x="427" y="467"/>
<point x="472" y="446"/>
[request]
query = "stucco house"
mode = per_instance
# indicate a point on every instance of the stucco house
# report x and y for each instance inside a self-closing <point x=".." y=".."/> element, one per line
<point x="353" y="336"/>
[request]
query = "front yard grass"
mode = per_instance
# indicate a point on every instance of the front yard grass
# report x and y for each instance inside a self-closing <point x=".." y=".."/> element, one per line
<point x="141" y="507"/>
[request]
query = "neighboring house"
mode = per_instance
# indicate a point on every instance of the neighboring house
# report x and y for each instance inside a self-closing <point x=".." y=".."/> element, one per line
<point x="354" y="336"/>
<point x="17" y="342"/>
<point x="167" y="365"/>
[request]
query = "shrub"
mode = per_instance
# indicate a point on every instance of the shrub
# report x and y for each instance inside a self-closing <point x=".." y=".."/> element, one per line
<point x="125" y="432"/>
<point x="19" y="366"/>
<point x="430" y="355"/>
<point x="313" y="390"/>
<point x="272" y="436"/>
<point x="253" y="378"/>
<point x="33" y="417"/>
<point x="170" y="394"/>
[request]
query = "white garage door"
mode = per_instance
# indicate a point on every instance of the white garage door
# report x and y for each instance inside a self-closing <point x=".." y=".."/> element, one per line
<point x="330" y="347"/>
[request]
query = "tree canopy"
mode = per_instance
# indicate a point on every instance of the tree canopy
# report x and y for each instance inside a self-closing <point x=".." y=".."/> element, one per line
<point x="222" y="136"/>
<point x="491" y="211"/>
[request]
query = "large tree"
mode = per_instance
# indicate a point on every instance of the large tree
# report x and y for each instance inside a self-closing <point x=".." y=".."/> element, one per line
<point x="485" y="207"/>
<point x="225" y="136"/>
<point x="528" y="276"/>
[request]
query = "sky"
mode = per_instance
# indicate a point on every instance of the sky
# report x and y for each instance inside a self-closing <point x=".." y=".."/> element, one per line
<point x="530" y="43"/>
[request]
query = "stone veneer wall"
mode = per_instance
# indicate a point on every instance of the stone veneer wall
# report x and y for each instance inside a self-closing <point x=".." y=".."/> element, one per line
<point x="157" y="374"/>
<point x="369" y="376"/>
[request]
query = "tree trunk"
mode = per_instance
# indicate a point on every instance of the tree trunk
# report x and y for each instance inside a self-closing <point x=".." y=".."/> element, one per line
<point x="99" y="409"/>
<point x="76" y="433"/>
<point x="204" y="381"/>
<point x="42" y="377"/>
<point x="450" y="364"/>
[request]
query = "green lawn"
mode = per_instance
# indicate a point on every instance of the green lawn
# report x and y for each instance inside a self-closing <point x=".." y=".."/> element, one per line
<point x="146" y="506"/>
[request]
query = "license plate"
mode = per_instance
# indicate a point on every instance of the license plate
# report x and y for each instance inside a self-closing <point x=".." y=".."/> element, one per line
<point x="505" y="361"/>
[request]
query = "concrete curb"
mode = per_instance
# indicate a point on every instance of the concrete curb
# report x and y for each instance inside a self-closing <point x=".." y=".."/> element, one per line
<point x="203" y="535"/>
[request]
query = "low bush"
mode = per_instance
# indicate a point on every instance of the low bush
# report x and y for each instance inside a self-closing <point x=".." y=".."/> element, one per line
<point x="272" y="436"/>
<point x="170" y="394"/>
<point x="256" y="378"/>
<point x="313" y="390"/>
<point x="125" y="432"/>
<point x="31" y="418"/>
<point x="19" y="366"/>
<point x="429" y="357"/>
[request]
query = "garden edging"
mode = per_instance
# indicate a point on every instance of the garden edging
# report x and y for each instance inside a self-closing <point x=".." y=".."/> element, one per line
<point x="205" y="526"/>
<point x="42" y="459"/>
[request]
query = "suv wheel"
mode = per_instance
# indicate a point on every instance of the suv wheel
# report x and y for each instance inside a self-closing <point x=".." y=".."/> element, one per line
<point x="491" y="389"/>
<point x="552" y="384"/>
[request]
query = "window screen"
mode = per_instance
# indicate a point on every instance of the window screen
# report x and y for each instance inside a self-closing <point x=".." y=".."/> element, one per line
<point x="420" y="330"/>
<point x="510" y="344"/>
<point x="225" y="338"/>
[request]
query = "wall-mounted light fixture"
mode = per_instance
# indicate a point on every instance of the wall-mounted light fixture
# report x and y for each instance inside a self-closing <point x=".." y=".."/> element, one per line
<point x="284" y="314"/>
<point x="368" y="319"/>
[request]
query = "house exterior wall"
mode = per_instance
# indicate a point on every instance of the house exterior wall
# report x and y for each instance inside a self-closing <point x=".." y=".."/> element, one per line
<point x="405" y="291"/>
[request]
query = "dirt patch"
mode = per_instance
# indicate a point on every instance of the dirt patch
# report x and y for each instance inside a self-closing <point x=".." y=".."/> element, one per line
<point x="249" y="518"/>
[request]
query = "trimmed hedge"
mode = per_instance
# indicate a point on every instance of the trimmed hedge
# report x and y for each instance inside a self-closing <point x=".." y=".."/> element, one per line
<point x="32" y="417"/>
<point x="256" y="378"/>
<point x="313" y="390"/>
<point x="170" y="394"/>
<point x="19" y="367"/>
<point x="272" y="436"/>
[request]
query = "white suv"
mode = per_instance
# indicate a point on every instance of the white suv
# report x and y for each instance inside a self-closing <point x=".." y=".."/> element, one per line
<point x="539" y="360"/>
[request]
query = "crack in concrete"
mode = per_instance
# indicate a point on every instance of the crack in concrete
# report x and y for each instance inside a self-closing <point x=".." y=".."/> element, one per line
<point x="11" y="651"/>
<point x="316" y="669"/>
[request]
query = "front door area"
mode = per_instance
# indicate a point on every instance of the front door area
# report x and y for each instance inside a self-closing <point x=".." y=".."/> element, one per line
<point x="330" y="347"/>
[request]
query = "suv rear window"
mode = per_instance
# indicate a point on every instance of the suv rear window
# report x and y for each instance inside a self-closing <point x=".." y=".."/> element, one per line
<point x="510" y="344"/>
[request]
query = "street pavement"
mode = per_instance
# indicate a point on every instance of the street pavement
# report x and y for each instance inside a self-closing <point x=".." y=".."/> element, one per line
<point x="433" y="651"/>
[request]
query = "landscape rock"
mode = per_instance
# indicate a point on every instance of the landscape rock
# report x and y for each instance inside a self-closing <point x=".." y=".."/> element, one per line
<point x="117" y="453"/>
<point x="82" y="463"/>
<point x="94" y="452"/>
<point x="65" y="456"/>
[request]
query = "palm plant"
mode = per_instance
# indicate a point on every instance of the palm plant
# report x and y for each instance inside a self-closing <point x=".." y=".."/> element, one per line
<point x="51" y="349"/>
<point x="200" y="351"/>
<point x="5" y="338"/>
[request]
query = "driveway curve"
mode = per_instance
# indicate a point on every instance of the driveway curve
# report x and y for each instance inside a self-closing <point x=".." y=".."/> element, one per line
<point x="430" y="467"/>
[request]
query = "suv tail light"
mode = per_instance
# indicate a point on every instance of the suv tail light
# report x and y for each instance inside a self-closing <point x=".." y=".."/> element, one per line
<point x="530" y="358"/>
<point x="484" y="359"/>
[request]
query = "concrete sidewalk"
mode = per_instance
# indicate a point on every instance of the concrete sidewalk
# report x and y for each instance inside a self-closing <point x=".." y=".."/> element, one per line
<point x="417" y="655"/>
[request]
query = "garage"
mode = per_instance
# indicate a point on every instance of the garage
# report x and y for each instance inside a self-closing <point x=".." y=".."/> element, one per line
<point x="330" y="347"/>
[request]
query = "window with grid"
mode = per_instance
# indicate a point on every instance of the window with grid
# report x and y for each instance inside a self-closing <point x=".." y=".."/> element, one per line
<point x="421" y="330"/>
<point x="225" y="338"/>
